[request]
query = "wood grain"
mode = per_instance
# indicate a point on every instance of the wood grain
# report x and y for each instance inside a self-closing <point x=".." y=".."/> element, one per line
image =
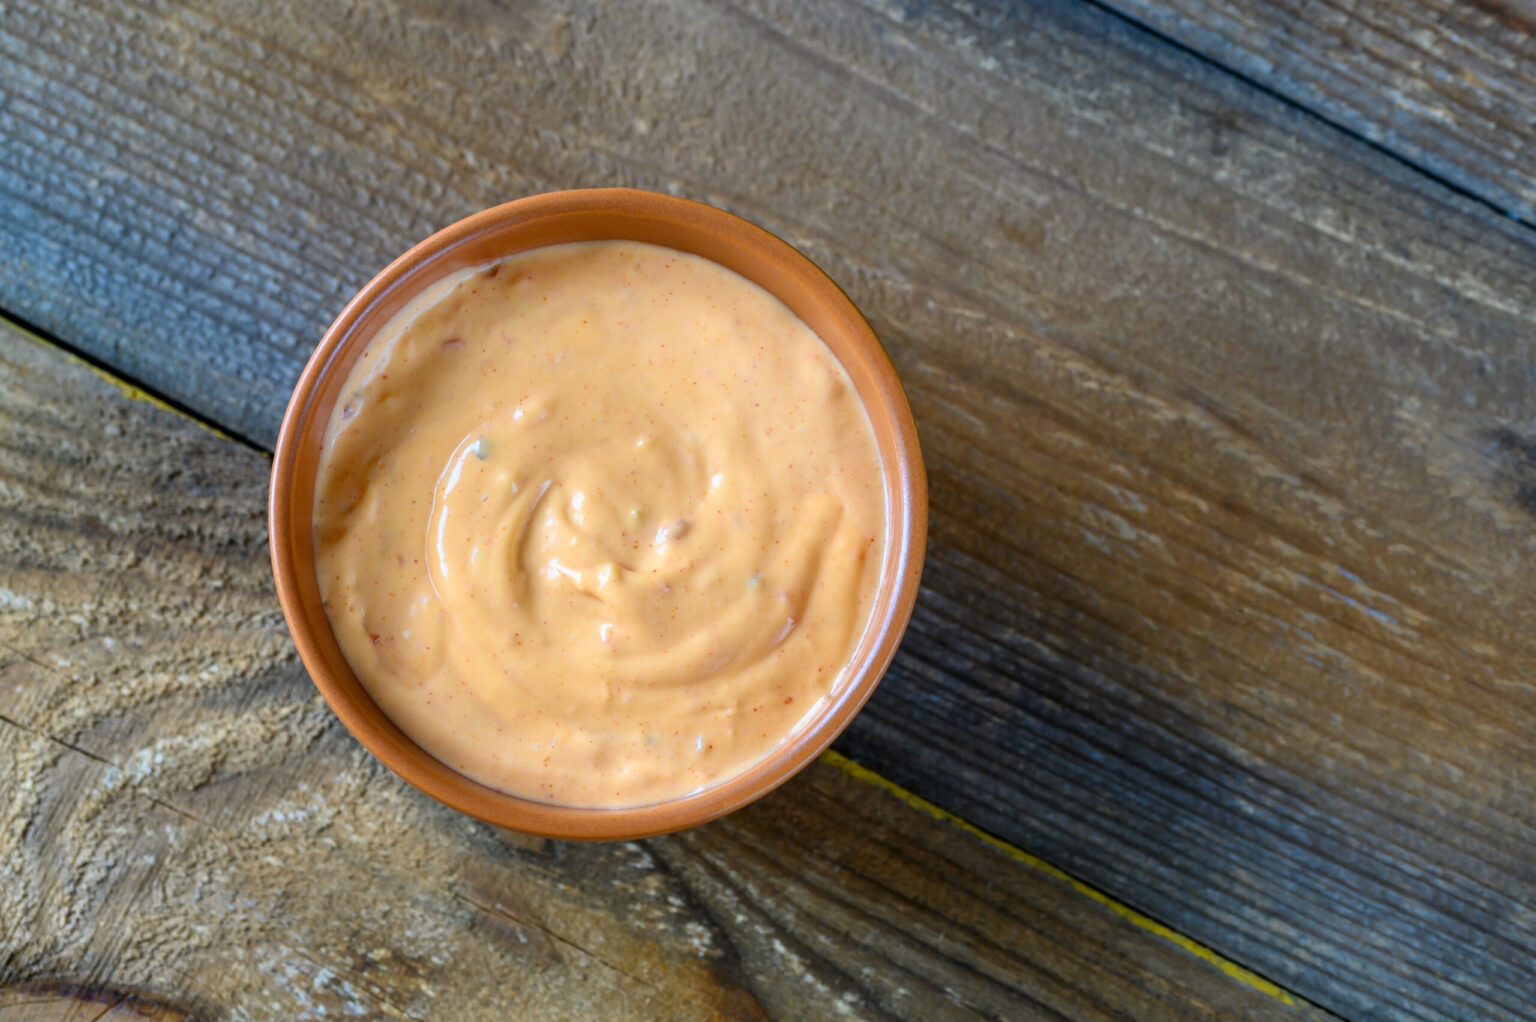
<point x="1448" y="85"/>
<point x="67" y="1002"/>
<point x="180" y="813"/>
<point x="1229" y="419"/>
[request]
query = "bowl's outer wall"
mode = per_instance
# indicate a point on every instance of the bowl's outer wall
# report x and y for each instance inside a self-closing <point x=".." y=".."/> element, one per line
<point x="551" y="219"/>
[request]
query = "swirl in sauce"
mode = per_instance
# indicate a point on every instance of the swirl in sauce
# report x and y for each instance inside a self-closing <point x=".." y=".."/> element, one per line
<point x="599" y="524"/>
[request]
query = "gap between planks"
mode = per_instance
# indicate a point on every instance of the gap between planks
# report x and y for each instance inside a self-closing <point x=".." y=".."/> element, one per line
<point x="1162" y="36"/>
<point x="133" y="390"/>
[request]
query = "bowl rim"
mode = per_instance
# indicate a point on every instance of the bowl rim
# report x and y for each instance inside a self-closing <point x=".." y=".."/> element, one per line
<point x="720" y="232"/>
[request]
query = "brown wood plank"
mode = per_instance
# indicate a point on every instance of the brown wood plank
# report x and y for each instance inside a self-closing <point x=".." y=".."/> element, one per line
<point x="1448" y="85"/>
<point x="1229" y="419"/>
<point x="181" y="814"/>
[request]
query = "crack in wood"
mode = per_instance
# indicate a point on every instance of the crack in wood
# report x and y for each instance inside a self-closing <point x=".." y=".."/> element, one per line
<point x="559" y="938"/>
<point x="133" y="786"/>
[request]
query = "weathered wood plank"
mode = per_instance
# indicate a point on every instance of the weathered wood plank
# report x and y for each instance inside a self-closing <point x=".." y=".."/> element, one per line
<point x="1228" y="418"/>
<point x="67" y="1002"/>
<point x="64" y="1002"/>
<point x="1449" y="85"/>
<point x="180" y="813"/>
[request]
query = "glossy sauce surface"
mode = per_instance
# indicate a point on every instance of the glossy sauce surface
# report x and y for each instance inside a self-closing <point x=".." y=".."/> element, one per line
<point x="599" y="524"/>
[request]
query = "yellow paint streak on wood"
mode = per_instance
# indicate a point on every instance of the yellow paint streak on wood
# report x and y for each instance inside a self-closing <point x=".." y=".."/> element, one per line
<point x="132" y="392"/>
<point x="127" y="389"/>
<point x="1205" y="954"/>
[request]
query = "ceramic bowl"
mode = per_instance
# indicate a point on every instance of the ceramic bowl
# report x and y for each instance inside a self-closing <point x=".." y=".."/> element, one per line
<point x="551" y="219"/>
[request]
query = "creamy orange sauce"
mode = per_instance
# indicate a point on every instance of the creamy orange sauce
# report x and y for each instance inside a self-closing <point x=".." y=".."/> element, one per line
<point x="599" y="524"/>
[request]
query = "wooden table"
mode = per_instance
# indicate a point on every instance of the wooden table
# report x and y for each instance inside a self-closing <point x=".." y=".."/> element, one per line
<point x="1220" y="697"/>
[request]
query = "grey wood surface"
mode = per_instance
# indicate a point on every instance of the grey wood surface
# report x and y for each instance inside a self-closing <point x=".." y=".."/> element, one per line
<point x="1229" y="418"/>
<point x="180" y="813"/>
<point x="1448" y="85"/>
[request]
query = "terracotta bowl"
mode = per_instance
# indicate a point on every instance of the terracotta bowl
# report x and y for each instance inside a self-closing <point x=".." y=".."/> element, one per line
<point x="551" y="219"/>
